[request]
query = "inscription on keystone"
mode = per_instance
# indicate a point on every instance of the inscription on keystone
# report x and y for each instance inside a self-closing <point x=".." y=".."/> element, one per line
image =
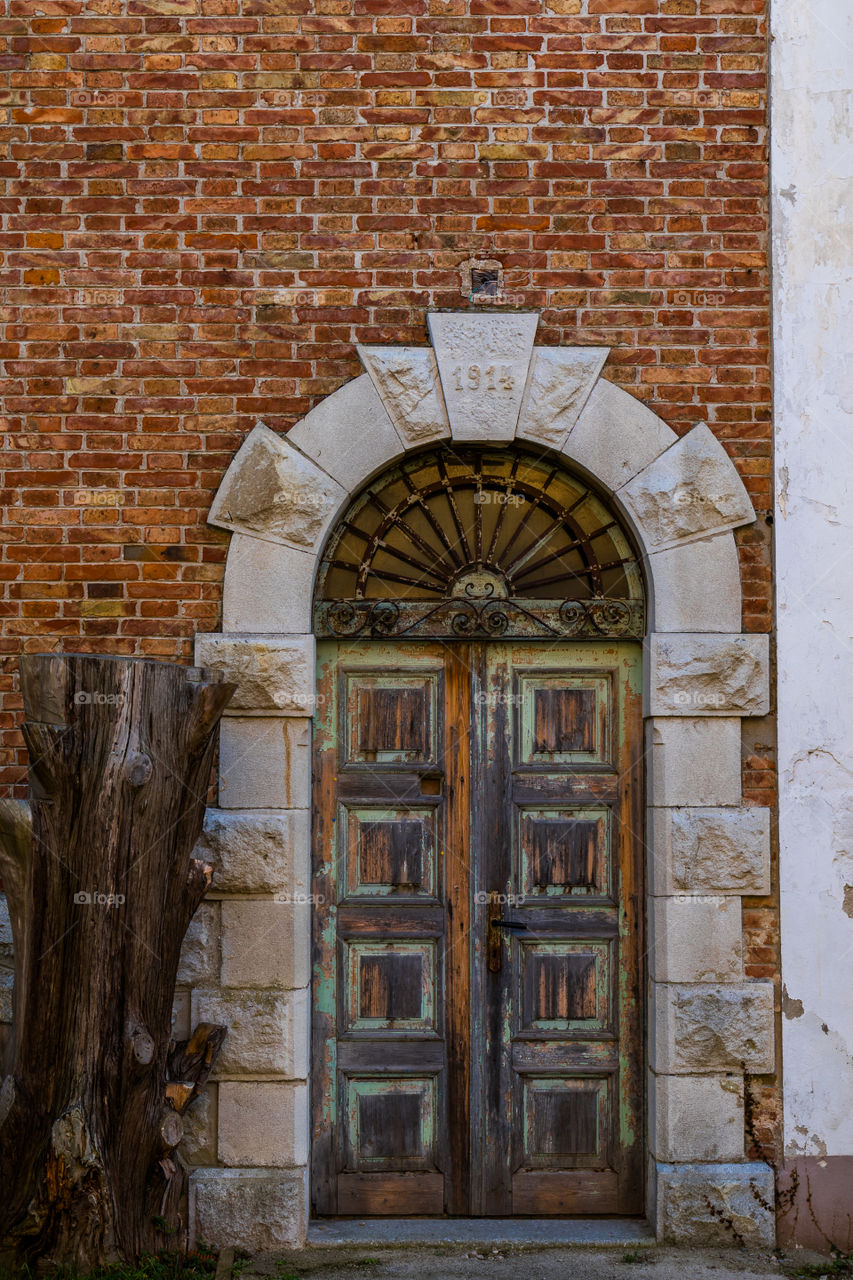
<point x="483" y="360"/>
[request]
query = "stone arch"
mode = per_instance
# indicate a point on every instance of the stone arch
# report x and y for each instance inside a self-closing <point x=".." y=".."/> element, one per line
<point x="484" y="380"/>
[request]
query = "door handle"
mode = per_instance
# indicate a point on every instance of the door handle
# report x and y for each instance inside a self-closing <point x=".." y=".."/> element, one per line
<point x="494" y="923"/>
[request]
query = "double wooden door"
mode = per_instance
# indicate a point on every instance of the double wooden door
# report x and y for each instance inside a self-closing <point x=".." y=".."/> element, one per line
<point x="477" y="1045"/>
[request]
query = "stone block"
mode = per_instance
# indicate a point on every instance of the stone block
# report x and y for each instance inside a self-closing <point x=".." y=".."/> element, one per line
<point x="695" y="762"/>
<point x="257" y="851"/>
<point x="200" y="951"/>
<point x="272" y="672"/>
<point x="712" y="1028"/>
<point x="263" y="1210"/>
<point x="268" y="1031"/>
<point x="691" y="490"/>
<point x="406" y="379"/>
<point x="263" y="1123"/>
<point x="181" y="1014"/>
<point x="7" y="951"/>
<point x="697" y="1117"/>
<point x="716" y="1204"/>
<point x="696" y="939"/>
<point x="483" y="361"/>
<point x="713" y="675"/>
<point x="265" y="943"/>
<point x="559" y="385"/>
<point x="274" y="491"/>
<point x="199" y="1142"/>
<point x="710" y="851"/>
<point x="616" y="436"/>
<point x="696" y="586"/>
<point x="268" y="587"/>
<point x="349" y="434"/>
<point x="264" y="762"/>
<point x="7" y="981"/>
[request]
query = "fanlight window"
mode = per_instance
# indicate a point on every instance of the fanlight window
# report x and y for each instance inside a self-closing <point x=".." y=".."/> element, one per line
<point x="479" y="542"/>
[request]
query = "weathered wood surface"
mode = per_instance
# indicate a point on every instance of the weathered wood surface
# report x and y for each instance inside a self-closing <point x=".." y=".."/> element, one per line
<point x="101" y="887"/>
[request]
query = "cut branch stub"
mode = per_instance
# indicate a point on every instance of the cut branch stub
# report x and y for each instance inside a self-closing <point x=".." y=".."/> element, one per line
<point x="101" y="888"/>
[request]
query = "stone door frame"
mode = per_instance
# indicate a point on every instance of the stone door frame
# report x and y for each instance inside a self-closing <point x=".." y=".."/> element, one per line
<point x="483" y="380"/>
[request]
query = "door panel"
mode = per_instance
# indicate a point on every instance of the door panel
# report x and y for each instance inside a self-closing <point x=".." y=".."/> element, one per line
<point x="476" y="938"/>
<point x="560" y="1054"/>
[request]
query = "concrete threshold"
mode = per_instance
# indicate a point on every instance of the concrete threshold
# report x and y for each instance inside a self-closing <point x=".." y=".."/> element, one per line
<point x="538" y="1233"/>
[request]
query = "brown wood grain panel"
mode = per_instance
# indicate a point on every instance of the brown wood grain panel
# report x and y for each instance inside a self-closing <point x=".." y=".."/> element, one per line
<point x="391" y="986"/>
<point x="391" y="1194"/>
<point x="571" y="1192"/>
<point x="563" y="853"/>
<point x="391" y="852"/>
<point x="394" y="720"/>
<point x="564" y="720"/>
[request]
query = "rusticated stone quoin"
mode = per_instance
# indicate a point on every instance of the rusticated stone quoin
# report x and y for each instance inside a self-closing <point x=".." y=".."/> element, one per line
<point x="713" y="1028"/>
<point x="255" y="851"/>
<point x="710" y="850"/>
<point x="272" y="672"/>
<point x="265" y="1209"/>
<point x="716" y="1204"/>
<point x="715" y="675"/>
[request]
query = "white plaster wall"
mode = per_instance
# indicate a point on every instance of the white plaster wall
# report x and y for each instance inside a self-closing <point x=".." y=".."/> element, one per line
<point x="812" y="183"/>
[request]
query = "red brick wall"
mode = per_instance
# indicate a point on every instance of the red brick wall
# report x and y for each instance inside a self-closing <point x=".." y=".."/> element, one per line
<point x="174" y="163"/>
<point x="174" y="166"/>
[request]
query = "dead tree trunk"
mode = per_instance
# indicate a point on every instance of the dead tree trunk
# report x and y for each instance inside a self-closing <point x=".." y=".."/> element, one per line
<point x="101" y="887"/>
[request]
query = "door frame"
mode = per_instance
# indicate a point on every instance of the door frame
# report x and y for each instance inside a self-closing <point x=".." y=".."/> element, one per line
<point x="681" y="497"/>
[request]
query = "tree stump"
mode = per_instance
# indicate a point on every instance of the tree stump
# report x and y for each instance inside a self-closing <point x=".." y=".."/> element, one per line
<point x="101" y="886"/>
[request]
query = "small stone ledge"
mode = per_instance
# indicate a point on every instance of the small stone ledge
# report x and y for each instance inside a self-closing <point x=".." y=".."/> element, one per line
<point x="716" y="1204"/>
<point x="273" y="672"/>
<point x="707" y="675"/>
<point x="263" y="1209"/>
<point x="719" y="851"/>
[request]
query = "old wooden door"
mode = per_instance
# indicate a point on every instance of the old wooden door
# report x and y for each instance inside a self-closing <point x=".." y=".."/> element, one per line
<point x="477" y="1045"/>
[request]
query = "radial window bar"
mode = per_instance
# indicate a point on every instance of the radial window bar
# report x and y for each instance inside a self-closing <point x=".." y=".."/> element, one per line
<point x="467" y="541"/>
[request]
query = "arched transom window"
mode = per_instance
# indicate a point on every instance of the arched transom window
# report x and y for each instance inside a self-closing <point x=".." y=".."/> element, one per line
<point x="479" y="542"/>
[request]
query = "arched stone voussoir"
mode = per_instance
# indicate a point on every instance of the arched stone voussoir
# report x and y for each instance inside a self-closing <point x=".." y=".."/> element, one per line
<point x="273" y="492"/>
<point x="616" y="436"/>
<point x="349" y="434"/>
<point x="406" y="379"/>
<point x="689" y="491"/>
<point x="558" y="387"/>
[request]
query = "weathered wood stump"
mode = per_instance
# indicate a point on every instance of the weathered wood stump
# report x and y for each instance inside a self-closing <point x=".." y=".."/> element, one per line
<point x="101" y="885"/>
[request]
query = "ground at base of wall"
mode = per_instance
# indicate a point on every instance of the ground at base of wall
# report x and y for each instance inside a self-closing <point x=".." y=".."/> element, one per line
<point x="646" y="1262"/>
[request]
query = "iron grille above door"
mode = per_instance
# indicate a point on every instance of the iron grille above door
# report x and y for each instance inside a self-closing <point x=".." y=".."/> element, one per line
<point x="475" y="542"/>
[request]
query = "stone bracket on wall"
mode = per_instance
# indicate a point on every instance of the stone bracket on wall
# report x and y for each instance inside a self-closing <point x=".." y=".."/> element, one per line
<point x="483" y="379"/>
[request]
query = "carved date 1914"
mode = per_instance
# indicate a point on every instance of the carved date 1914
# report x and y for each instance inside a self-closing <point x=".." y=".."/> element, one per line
<point x="495" y="377"/>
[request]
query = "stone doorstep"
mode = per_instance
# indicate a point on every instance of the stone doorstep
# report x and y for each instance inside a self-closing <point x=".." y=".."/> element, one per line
<point x="485" y="1232"/>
